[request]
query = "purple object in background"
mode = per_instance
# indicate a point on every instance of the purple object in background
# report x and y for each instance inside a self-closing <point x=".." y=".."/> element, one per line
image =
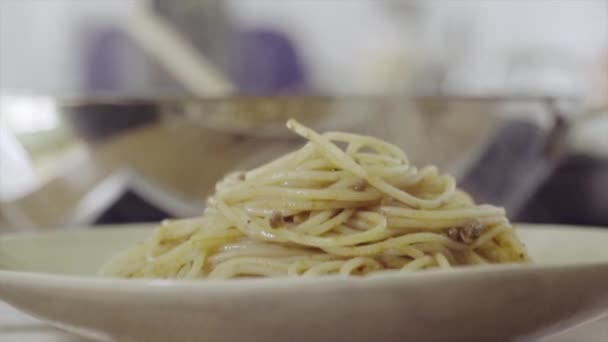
<point x="104" y="67"/>
<point x="269" y="63"/>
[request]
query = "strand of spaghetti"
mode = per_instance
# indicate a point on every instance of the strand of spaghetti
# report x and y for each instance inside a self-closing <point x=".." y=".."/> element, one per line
<point x="404" y="250"/>
<point x="489" y="235"/>
<point x="475" y="258"/>
<point x="197" y="265"/>
<point x="377" y="144"/>
<point x="268" y="206"/>
<point x="345" y="230"/>
<point x="329" y="150"/>
<point x="262" y="251"/>
<point x="289" y="179"/>
<point x="399" y="224"/>
<point x="448" y="214"/>
<point x="315" y="164"/>
<point x="253" y="191"/>
<point x="250" y="227"/>
<point x="410" y="200"/>
<point x="404" y="182"/>
<point x="376" y="233"/>
<point x="324" y="268"/>
<point x="402" y="171"/>
<point x="126" y="263"/>
<point x="283" y="162"/>
<point x="318" y="176"/>
<point x="441" y="260"/>
<point x="349" y="266"/>
<point x="353" y="146"/>
<point x="180" y="229"/>
<point x="337" y="156"/>
<point x="371" y="159"/>
<point x="459" y="200"/>
<point x="418" y="264"/>
<point x="249" y="266"/>
<point x="164" y="265"/>
<point x="314" y="220"/>
<point x="212" y="240"/>
<point x="244" y="224"/>
<point x="511" y="239"/>
<point x="358" y="223"/>
<point x="393" y="261"/>
<point x="327" y="225"/>
<point x="410" y="239"/>
<point x="297" y="267"/>
<point x="183" y="270"/>
<point x="432" y="248"/>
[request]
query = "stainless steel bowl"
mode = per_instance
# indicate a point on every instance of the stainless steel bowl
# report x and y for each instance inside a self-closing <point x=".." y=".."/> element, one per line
<point x="173" y="150"/>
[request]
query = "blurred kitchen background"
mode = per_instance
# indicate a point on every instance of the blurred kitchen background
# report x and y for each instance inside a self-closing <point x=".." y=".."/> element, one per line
<point x="120" y="111"/>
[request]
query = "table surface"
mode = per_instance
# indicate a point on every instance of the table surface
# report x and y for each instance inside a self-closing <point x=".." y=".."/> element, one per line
<point x="18" y="327"/>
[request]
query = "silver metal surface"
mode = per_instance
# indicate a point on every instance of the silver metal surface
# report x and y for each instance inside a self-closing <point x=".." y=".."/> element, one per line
<point x="182" y="146"/>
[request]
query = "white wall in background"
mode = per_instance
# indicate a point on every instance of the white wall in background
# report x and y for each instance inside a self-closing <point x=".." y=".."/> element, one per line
<point x="547" y="44"/>
<point x="478" y="40"/>
<point x="339" y="39"/>
<point x="350" y="45"/>
<point x="40" y="50"/>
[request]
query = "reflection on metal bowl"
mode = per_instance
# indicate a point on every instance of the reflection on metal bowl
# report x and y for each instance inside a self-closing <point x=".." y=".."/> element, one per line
<point x="185" y="145"/>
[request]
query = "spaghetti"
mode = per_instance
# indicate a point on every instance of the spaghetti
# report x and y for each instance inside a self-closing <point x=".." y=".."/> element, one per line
<point x="342" y="204"/>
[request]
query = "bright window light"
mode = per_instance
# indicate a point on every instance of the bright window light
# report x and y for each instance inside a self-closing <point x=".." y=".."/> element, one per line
<point x="28" y="114"/>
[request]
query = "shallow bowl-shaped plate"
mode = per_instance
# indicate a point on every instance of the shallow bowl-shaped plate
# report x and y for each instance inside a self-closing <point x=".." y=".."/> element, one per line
<point x="51" y="276"/>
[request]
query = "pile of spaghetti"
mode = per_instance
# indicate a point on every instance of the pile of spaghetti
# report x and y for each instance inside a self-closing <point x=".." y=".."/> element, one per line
<point x="342" y="204"/>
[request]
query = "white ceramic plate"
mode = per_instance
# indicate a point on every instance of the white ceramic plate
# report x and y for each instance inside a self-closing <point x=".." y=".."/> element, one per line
<point x="50" y="276"/>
